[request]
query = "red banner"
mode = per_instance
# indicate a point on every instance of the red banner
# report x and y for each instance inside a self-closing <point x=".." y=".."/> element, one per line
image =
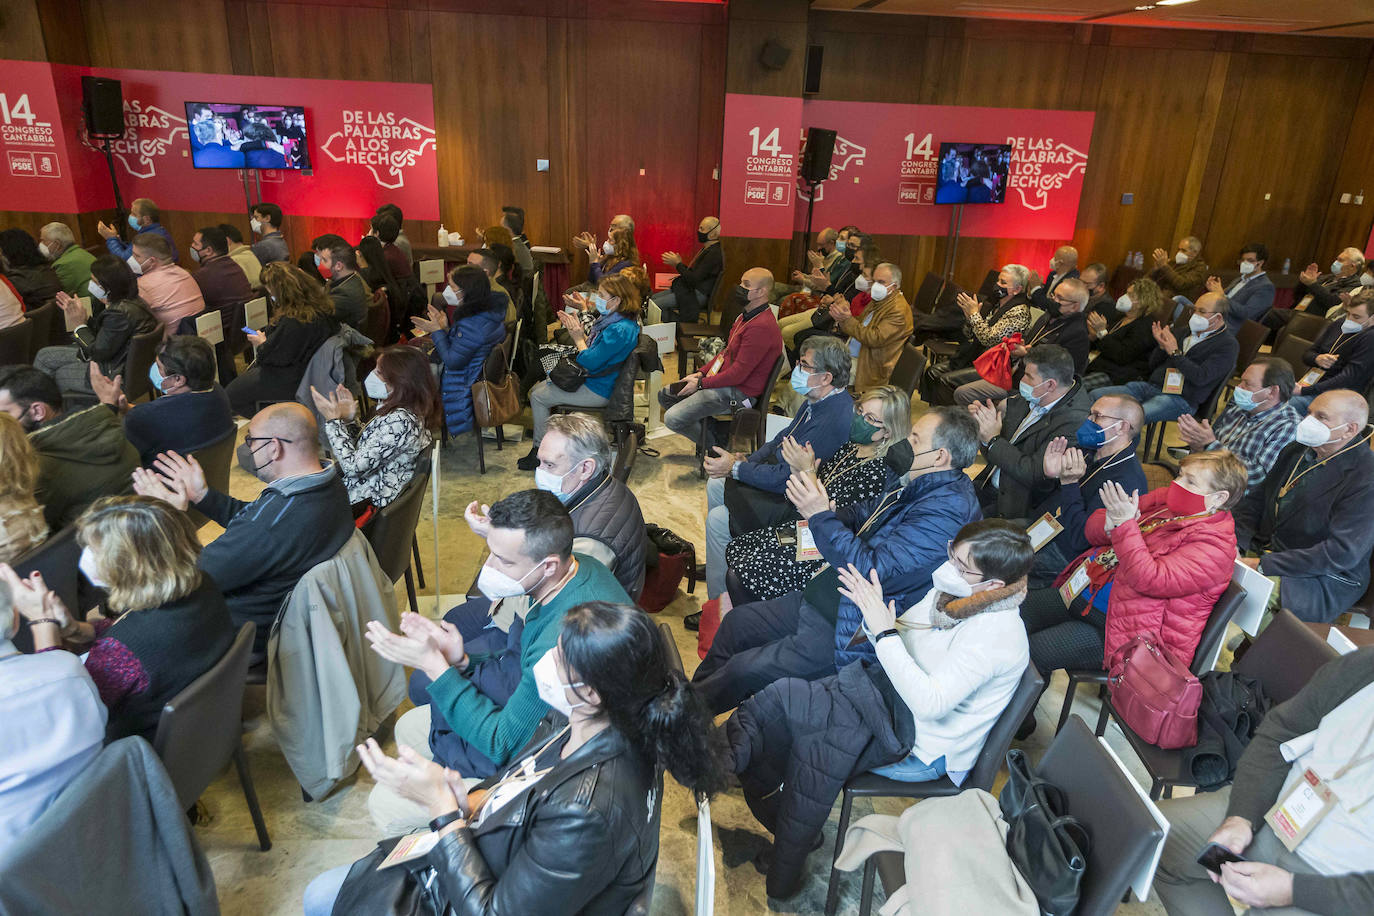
<point x="36" y="173"/>
<point x="368" y="143"/>
<point x="759" y="166"/>
<point x="884" y="170"/>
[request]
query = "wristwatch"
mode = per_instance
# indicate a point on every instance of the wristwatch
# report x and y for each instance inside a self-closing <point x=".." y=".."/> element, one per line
<point x="890" y="631"/>
<point x="443" y="820"/>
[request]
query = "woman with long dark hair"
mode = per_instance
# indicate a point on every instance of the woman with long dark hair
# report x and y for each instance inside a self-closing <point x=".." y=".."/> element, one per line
<point x="375" y="271"/>
<point x="573" y="826"/>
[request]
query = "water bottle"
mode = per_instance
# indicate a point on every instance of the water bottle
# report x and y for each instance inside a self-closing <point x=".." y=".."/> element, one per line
<point x="1287" y="263"/>
<point x="443" y="236"/>
<point x="1130" y="259"/>
<point x="1140" y="260"/>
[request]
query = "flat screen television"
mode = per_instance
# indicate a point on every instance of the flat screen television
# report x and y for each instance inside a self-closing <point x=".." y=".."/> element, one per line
<point x="235" y="135"/>
<point x="973" y="173"/>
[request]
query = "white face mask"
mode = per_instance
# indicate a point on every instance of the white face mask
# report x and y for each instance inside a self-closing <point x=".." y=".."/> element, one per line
<point x="451" y="296"/>
<point x="1247" y="268"/>
<point x="1367" y="279"/>
<point x="947" y="578"/>
<point x="862" y="283"/>
<point x="96" y="290"/>
<point x="136" y="267"/>
<point x="1350" y="326"/>
<point x="495" y="584"/>
<point x="87" y="566"/>
<point x="878" y="291"/>
<point x="1199" y="324"/>
<point x="375" y="387"/>
<point x="1123" y="305"/>
<point x="255" y="225"/>
<point x="43" y="250"/>
<point x="550" y="482"/>
<point x="551" y="689"/>
<point x="1180" y="258"/>
<point x="608" y="246"/>
<point x="1313" y="432"/>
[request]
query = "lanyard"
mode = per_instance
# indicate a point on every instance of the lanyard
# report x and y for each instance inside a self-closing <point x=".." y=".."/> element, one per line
<point x="1294" y="476"/>
<point x="1125" y="456"/>
<point x="879" y="511"/>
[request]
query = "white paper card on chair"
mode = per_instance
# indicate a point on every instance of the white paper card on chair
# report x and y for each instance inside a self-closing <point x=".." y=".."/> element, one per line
<point x="1339" y="641"/>
<point x="1258" y="588"/>
<point x="86" y="306"/>
<point x="706" y="862"/>
<point x="209" y="328"/>
<point x="1140" y="883"/>
<point x="665" y="335"/>
<point x="432" y="271"/>
<point x="255" y="313"/>
<point x="546" y="249"/>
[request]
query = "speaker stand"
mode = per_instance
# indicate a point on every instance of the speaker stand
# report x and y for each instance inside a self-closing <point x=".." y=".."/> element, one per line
<point x="806" y="237"/>
<point x="247" y="191"/>
<point x="120" y="212"/>
<point x="956" y="217"/>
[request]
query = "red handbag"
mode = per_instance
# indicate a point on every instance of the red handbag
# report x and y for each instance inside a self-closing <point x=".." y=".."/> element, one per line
<point x="994" y="363"/>
<point x="1154" y="694"/>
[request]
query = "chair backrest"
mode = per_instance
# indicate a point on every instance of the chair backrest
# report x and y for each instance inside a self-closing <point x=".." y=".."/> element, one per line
<point x="142" y="354"/>
<point x="215" y="460"/>
<point x="1222" y="612"/>
<point x="56" y="559"/>
<point x="711" y="294"/>
<point x="987" y="288"/>
<point x="1004" y="729"/>
<point x="201" y="726"/>
<point x="928" y="293"/>
<point x="1107" y="803"/>
<point x="729" y="311"/>
<point x="948" y="294"/>
<point x="1284" y="656"/>
<point x="1250" y="337"/>
<point x="45" y="318"/>
<point x="390" y="533"/>
<point x="670" y="647"/>
<point x="14" y="344"/>
<point x="907" y="373"/>
<point x="1304" y="324"/>
<point x="1291" y="350"/>
<point x="1035" y="315"/>
<point x="779" y="368"/>
<point x="625" y="453"/>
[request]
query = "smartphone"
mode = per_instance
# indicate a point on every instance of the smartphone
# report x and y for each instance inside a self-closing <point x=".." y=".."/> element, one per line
<point x="1213" y="855"/>
<point x="248" y="330"/>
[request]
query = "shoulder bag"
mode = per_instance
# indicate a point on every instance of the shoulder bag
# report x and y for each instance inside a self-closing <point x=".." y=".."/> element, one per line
<point x="1048" y="847"/>
<point x="1154" y="693"/>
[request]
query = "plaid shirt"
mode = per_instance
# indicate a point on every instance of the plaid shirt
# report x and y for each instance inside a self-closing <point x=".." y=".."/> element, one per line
<point x="1255" y="439"/>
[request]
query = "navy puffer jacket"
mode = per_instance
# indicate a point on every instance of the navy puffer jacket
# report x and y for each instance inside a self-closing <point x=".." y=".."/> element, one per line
<point x="464" y="348"/>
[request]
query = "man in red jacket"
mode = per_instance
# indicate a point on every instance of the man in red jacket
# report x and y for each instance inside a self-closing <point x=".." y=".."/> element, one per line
<point x="740" y="372"/>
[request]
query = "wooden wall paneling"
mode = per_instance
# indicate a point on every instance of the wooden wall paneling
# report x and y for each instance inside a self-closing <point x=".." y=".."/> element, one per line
<point x="752" y="23"/>
<point x="1349" y="224"/>
<point x="710" y="134"/>
<point x="1210" y="140"/>
<point x="160" y="35"/>
<point x="866" y="57"/>
<point x="239" y="21"/>
<point x="64" y="34"/>
<point x="324" y="43"/>
<point x="21" y="31"/>
<point x="563" y="187"/>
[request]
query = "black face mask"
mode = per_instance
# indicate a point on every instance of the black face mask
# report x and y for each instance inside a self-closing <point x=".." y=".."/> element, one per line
<point x="899" y="457"/>
<point x="742" y="296"/>
<point x="1000" y="292"/>
<point x="703" y="237"/>
<point x="247" y="458"/>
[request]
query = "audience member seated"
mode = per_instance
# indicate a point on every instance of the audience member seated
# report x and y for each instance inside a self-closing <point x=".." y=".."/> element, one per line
<point x="1123" y="352"/>
<point x="378" y="460"/>
<point x="1094" y="277"/>
<point x="476" y="709"/>
<point x="22" y="526"/>
<point x="1341" y="357"/>
<point x="1193" y="369"/>
<point x="83" y="455"/>
<point x="1252" y="293"/>
<point x="163" y="621"/>
<point x="1062" y="325"/>
<point x="54" y="722"/>
<point x="824" y="423"/>
<point x="265" y="221"/>
<point x="765" y="560"/>
<point x="169" y="291"/>
<point x="1186" y="274"/>
<point x="901" y="538"/>
<point x="1063" y="266"/>
<point x="1258" y="423"/>
<point x="27" y="270"/>
<point x="586" y="832"/>
<point x="820" y="320"/>
<point x="193" y="412"/>
<point x="402" y="240"/>
<point x="71" y="262"/>
<point x="242" y="255"/>
<point x="223" y="284"/>
<point x="1323" y="731"/>
<point x="302" y="320"/>
<point x="1320" y="292"/>
<point x="1050" y="404"/>
<point x="738" y="374"/>
<point x="513" y="218"/>
<point x="510" y="279"/>
<point x="143" y="217"/>
<point x="828" y="265"/>
<point x="1307" y="525"/>
<point x="1104" y="449"/>
<point x="485" y="260"/>
<point x="373" y="268"/>
<point x="299" y="520"/>
<point x="876" y="339"/>
<point x="1008" y="315"/>
<point x="463" y="345"/>
<point x="346" y="288"/>
<point x="11" y="304"/>
<point x="575" y="466"/>
<point x="946" y="669"/>
<point x="103" y="339"/>
<point x="686" y="298"/>
<point x="1158" y="564"/>
<point x="599" y="354"/>
<point x="613" y="255"/>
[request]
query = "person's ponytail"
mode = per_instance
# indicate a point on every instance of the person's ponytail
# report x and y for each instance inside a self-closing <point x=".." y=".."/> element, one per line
<point x="676" y="731"/>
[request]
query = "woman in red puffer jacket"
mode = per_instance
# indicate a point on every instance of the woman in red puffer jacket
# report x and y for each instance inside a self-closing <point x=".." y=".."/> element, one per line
<point x="1156" y="568"/>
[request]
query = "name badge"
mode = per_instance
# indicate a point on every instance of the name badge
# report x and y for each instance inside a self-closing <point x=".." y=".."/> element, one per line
<point x="1295" y="814"/>
<point x="806" y="543"/>
<point x="1173" y="381"/>
<point x="410" y="847"/>
<point x="1312" y="377"/>
<point x="1077" y="582"/>
<point x="1043" y="531"/>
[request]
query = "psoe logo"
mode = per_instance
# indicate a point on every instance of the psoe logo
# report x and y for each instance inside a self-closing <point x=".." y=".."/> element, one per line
<point x="149" y="133"/>
<point x="385" y="144"/>
<point x="1040" y="165"/>
<point x="847" y="153"/>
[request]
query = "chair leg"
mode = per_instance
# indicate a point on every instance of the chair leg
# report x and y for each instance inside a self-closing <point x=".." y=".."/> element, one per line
<point x="481" y="457"/>
<point x="832" y="892"/>
<point x="500" y="437"/>
<point x="419" y="567"/>
<point x="250" y="795"/>
<point x="1156" y="787"/>
<point x="410" y="592"/>
<point x="1102" y="720"/>
<point x="1067" y="710"/>
<point x="866" y="897"/>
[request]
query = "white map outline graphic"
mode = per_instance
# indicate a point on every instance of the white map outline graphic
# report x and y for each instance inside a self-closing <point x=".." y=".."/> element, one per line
<point x="398" y="159"/>
<point x="847" y="153"/>
<point x="148" y="147"/>
<point x="1079" y="165"/>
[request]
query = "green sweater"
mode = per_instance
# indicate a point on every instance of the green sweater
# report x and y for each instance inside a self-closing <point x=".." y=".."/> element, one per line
<point x="73" y="269"/>
<point x="498" y="730"/>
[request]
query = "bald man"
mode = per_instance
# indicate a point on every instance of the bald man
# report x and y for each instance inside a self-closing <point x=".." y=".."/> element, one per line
<point x="1307" y="525"/>
<point x="300" y="519"/>
<point x="691" y="288"/>
<point x="1063" y="266"/>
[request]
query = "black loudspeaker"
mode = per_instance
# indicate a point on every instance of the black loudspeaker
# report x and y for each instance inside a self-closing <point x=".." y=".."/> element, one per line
<point x="773" y="56"/>
<point x="812" y="83"/>
<point x="102" y="101"/>
<point x="820" y="146"/>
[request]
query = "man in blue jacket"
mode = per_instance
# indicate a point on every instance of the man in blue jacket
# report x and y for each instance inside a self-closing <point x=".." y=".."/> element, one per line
<point x="143" y="216"/>
<point x="904" y="535"/>
<point x="824" y="421"/>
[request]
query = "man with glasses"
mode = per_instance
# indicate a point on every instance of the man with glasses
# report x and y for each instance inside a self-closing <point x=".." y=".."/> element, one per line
<point x="1185" y="373"/>
<point x="300" y="519"/>
<point x="1258" y="423"/>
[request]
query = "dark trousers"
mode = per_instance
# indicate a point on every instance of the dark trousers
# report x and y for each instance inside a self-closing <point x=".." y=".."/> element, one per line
<point x="1062" y="637"/>
<point x="759" y="643"/>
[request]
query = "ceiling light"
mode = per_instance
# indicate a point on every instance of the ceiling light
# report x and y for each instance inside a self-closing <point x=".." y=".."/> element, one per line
<point x="1173" y="2"/>
<point x="1141" y="9"/>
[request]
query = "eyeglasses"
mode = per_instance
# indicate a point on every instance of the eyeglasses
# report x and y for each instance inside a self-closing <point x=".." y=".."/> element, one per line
<point x="1099" y="417"/>
<point x="809" y="370"/>
<point x="964" y="570"/>
<point x="251" y="439"/>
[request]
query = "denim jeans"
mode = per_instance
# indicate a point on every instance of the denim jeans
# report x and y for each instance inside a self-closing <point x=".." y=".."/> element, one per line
<point x="1302" y="402"/>
<point x="913" y="769"/>
<point x="321" y="893"/>
<point x="1157" y="405"/>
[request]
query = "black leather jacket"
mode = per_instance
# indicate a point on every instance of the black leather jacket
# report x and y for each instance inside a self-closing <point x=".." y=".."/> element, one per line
<point x="583" y="840"/>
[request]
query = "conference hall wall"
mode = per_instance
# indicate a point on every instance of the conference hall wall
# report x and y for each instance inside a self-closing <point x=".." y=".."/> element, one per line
<point x="1199" y="126"/>
<point x="624" y="97"/>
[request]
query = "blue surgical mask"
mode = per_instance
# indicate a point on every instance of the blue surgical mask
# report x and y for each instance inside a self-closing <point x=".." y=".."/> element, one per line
<point x="839" y="246"/>
<point x="603" y="305"/>
<point x="1243" y="398"/>
<point x="1092" y="436"/>
<point x="319" y="261"/>
<point x="133" y="221"/>
<point x="1027" y="391"/>
<point x="800" y="379"/>
<point x="155" y="375"/>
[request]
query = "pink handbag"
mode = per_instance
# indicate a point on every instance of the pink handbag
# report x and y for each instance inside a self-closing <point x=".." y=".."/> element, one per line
<point x="1154" y="694"/>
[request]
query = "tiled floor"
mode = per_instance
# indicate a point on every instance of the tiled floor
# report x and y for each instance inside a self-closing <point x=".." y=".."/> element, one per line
<point x="309" y="838"/>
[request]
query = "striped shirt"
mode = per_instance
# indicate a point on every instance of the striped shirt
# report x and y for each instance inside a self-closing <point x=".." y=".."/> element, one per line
<point x="1255" y="439"/>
